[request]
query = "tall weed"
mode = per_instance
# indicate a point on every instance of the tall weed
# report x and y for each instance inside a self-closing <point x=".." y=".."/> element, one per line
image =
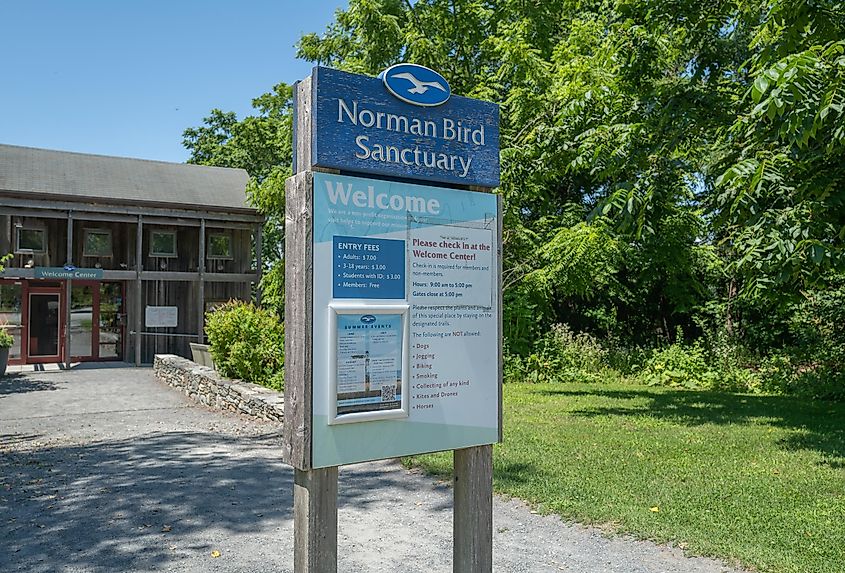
<point x="562" y="356"/>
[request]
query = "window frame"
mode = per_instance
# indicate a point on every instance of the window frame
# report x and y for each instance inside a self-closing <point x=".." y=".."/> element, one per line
<point x="161" y="255"/>
<point x="90" y="231"/>
<point x="20" y="251"/>
<point x="213" y="257"/>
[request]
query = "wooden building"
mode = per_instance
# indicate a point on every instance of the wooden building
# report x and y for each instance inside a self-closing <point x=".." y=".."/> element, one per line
<point x="116" y="258"/>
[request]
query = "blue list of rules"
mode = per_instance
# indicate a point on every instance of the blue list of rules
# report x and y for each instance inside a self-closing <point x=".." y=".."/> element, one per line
<point x="368" y="268"/>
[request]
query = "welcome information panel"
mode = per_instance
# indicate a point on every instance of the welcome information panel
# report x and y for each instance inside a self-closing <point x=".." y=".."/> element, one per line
<point x="405" y="312"/>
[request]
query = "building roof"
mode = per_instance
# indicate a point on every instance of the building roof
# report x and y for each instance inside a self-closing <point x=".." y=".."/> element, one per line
<point x="65" y="176"/>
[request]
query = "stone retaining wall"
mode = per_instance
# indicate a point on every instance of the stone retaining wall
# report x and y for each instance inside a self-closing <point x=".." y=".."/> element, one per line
<point x="206" y="386"/>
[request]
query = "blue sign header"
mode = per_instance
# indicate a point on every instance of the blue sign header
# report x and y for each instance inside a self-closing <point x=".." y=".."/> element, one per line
<point x="359" y="126"/>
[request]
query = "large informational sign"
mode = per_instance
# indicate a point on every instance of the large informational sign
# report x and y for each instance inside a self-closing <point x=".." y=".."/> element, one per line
<point x="401" y="126"/>
<point x="405" y="319"/>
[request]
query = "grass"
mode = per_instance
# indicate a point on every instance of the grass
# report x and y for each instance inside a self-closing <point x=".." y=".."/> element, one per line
<point x="758" y="480"/>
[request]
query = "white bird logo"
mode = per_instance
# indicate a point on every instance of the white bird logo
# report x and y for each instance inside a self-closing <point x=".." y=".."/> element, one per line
<point x="419" y="87"/>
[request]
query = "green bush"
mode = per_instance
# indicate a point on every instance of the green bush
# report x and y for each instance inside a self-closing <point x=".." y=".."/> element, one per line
<point x="678" y="365"/>
<point x="248" y="343"/>
<point x="699" y="366"/>
<point x="562" y="356"/>
<point x="786" y="373"/>
<point x="6" y="340"/>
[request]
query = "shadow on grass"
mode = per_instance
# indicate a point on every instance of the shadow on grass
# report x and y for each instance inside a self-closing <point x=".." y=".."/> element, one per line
<point x="815" y="425"/>
<point x="511" y="473"/>
<point x="22" y="384"/>
<point x="145" y="503"/>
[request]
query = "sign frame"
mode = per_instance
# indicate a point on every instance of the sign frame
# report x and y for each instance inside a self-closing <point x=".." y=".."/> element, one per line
<point x="454" y="398"/>
<point x="161" y="316"/>
<point x="340" y="309"/>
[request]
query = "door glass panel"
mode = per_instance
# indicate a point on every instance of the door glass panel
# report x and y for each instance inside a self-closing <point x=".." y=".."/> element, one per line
<point x="82" y="321"/>
<point x="10" y="315"/>
<point x="111" y="316"/>
<point x="43" y="325"/>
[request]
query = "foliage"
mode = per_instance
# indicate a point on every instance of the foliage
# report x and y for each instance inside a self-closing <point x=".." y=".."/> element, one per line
<point x="262" y="145"/>
<point x="814" y="364"/>
<point x="679" y="365"/>
<point x="247" y="342"/>
<point x="6" y="340"/>
<point x="609" y="114"/>
<point x="780" y="199"/>
<point x="665" y="164"/>
<point x="561" y="356"/>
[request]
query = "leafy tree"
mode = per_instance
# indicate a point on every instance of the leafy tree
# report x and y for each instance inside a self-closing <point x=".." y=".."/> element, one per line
<point x="780" y="200"/>
<point x="260" y="144"/>
<point x="667" y="165"/>
<point x="609" y="113"/>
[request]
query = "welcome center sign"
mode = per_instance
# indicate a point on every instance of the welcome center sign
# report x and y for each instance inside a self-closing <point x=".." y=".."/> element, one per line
<point x="405" y="285"/>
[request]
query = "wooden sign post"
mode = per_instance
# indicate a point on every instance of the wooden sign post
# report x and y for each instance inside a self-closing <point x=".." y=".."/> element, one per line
<point x="393" y="296"/>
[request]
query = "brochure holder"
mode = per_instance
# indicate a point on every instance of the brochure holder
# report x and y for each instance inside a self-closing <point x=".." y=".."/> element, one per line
<point x="369" y="362"/>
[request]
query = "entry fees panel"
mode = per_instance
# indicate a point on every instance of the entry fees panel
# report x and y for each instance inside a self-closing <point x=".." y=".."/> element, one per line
<point x="405" y="327"/>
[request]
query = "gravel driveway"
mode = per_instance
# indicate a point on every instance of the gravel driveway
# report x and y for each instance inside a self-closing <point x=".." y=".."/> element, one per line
<point x="109" y="470"/>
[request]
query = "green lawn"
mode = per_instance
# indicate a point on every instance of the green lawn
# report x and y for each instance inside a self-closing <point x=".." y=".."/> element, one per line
<point x="754" y="479"/>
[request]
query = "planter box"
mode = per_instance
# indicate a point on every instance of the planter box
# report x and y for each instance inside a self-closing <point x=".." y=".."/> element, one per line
<point x="4" y="360"/>
<point x="201" y="354"/>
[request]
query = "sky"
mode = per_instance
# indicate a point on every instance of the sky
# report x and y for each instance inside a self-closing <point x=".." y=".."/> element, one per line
<point x="127" y="77"/>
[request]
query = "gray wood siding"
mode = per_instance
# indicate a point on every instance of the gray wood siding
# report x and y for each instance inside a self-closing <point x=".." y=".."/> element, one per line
<point x="122" y="251"/>
<point x="56" y="230"/>
<point x="185" y="296"/>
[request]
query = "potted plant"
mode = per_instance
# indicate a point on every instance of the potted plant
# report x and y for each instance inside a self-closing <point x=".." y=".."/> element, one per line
<point x="6" y="342"/>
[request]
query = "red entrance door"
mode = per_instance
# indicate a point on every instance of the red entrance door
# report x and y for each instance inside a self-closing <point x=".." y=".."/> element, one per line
<point x="45" y="313"/>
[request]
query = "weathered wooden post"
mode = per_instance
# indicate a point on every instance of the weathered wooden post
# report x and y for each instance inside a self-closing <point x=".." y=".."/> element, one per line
<point x="393" y="296"/>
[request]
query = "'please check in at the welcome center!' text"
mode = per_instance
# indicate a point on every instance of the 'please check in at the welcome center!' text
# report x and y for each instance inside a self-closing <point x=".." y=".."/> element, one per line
<point x="451" y="307"/>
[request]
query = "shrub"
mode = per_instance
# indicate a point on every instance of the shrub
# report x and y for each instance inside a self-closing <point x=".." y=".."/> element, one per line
<point x="6" y="340"/>
<point x="513" y="365"/>
<point x="678" y="365"/>
<point x="562" y="356"/>
<point x="696" y="365"/>
<point x="247" y="342"/>
<point x="784" y="373"/>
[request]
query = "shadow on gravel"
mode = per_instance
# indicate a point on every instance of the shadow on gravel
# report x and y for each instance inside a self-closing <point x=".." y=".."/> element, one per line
<point x="21" y="384"/>
<point x="129" y="504"/>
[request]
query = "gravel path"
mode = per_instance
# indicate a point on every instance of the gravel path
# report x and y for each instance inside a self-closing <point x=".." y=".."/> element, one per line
<point x="109" y="470"/>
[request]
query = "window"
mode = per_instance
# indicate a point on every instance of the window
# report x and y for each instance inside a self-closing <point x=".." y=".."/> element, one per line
<point x="31" y="240"/>
<point x="219" y="246"/>
<point x="163" y="244"/>
<point x="97" y="243"/>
